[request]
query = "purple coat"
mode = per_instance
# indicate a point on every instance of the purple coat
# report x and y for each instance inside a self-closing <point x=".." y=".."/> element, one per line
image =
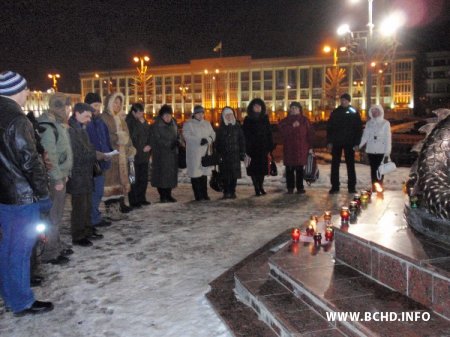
<point x="297" y="140"/>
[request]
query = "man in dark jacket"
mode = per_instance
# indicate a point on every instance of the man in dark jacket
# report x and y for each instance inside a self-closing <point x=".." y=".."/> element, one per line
<point x="344" y="131"/>
<point x="24" y="194"/>
<point x="99" y="137"/>
<point x="140" y="136"/>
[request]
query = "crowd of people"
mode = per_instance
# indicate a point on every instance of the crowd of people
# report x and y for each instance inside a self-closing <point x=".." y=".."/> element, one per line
<point x="100" y="154"/>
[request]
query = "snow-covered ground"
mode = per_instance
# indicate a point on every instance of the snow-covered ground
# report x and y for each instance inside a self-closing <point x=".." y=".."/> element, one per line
<point x="148" y="276"/>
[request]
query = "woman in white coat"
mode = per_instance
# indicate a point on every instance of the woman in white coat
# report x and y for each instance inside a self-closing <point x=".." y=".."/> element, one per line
<point x="377" y="138"/>
<point x="198" y="134"/>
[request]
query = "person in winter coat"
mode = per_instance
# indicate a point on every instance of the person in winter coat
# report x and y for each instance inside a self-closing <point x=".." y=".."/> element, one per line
<point x="230" y="144"/>
<point x="81" y="182"/>
<point x="117" y="184"/>
<point x="297" y="139"/>
<point x="377" y="139"/>
<point x="164" y="143"/>
<point x="55" y="140"/>
<point x="258" y="143"/>
<point x="140" y="136"/>
<point x="99" y="137"/>
<point x="24" y="195"/>
<point x="344" y="131"/>
<point x="198" y="134"/>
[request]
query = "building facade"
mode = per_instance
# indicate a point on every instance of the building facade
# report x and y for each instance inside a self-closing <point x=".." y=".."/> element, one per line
<point x="235" y="81"/>
<point x="37" y="101"/>
<point x="438" y="79"/>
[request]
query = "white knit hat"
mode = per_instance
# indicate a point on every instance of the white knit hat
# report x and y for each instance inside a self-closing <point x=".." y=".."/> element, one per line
<point x="11" y="83"/>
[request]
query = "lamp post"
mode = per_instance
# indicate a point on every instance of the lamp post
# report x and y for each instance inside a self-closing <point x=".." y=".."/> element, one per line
<point x="142" y="75"/>
<point x="375" y="48"/>
<point x="54" y="78"/>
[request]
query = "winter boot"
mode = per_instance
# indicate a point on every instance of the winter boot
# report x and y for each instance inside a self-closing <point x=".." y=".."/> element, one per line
<point x="256" y="186"/>
<point x="162" y="195"/>
<point x="260" y="184"/>
<point x="123" y="207"/>
<point x="195" y="187"/>
<point x="204" y="187"/>
<point x="169" y="197"/>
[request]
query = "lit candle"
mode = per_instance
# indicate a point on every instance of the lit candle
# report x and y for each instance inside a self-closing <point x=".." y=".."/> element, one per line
<point x="357" y="198"/>
<point x="353" y="207"/>
<point x="327" y="217"/>
<point x="314" y="217"/>
<point x="295" y="235"/>
<point x="345" y="214"/>
<point x="329" y="233"/>
<point x="311" y="228"/>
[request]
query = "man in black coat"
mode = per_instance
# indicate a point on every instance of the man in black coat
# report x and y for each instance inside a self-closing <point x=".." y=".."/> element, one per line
<point x="140" y="136"/>
<point x="344" y="131"/>
<point x="24" y="194"/>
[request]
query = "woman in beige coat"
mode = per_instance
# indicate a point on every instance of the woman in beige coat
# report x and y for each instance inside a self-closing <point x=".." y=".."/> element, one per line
<point x="117" y="184"/>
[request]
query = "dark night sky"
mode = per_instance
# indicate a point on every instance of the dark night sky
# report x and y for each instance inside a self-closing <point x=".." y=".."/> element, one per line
<point x="37" y="37"/>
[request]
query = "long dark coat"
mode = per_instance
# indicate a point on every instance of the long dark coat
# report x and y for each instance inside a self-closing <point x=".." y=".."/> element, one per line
<point x="165" y="154"/>
<point x="296" y="140"/>
<point x="81" y="179"/>
<point x="230" y="144"/>
<point x="258" y="143"/>
<point x="140" y="136"/>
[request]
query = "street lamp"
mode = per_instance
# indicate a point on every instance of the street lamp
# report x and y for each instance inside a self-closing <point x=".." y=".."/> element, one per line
<point x="327" y="49"/>
<point x="183" y="89"/>
<point x="372" y="46"/>
<point x="54" y="77"/>
<point x="142" y="75"/>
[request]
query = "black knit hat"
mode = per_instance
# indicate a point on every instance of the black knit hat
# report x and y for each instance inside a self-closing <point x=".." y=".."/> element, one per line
<point x="346" y="96"/>
<point x="297" y="104"/>
<point x="165" y="109"/>
<point x="92" y="97"/>
<point x="82" y="107"/>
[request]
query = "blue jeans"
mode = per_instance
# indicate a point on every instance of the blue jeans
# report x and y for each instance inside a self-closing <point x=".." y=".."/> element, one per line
<point x="18" y="226"/>
<point x="97" y="194"/>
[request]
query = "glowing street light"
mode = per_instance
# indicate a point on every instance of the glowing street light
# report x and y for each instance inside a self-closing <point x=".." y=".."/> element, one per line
<point x="327" y="49"/>
<point x="142" y="74"/>
<point x="55" y="78"/>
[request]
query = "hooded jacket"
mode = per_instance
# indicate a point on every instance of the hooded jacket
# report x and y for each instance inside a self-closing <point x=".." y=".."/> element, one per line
<point x="55" y="140"/>
<point x="116" y="178"/>
<point x="377" y="134"/>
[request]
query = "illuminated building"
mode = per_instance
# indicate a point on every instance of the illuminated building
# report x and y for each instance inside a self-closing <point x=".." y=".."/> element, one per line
<point x="37" y="101"/>
<point x="234" y="81"/>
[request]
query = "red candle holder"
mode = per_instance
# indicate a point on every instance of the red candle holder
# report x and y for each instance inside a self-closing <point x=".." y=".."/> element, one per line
<point x="295" y="235"/>
<point x="329" y="233"/>
<point x="327" y="217"/>
<point x="345" y="214"/>
<point x="311" y="228"/>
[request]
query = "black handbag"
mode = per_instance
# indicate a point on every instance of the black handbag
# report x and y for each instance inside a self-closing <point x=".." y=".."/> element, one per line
<point x="211" y="158"/>
<point x="311" y="169"/>
<point x="97" y="170"/>
<point x="216" y="182"/>
<point x="273" y="168"/>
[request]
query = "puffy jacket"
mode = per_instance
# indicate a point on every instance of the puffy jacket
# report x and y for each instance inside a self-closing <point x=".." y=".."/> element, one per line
<point x="23" y="178"/>
<point x="344" y="126"/>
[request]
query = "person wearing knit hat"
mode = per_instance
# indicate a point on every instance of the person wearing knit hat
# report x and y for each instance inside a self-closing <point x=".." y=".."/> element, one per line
<point x="24" y="195"/>
<point x="55" y="140"/>
<point x="164" y="144"/>
<point x="99" y="137"/>
<point x="12" y="83"/>
<point x="199" y="135"/>
<point x="344" y="131"/>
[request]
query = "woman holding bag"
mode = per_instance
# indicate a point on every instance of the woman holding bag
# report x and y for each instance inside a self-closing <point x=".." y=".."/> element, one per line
<point x="377" y="138"/>
<point x="198" y="134"/>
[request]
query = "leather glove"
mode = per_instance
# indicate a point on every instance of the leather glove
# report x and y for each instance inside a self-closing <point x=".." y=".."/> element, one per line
<point x="203" y="141"/>
<point x="45" y="205"/>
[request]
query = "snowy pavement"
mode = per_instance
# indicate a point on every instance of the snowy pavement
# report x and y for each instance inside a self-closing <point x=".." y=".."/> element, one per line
<point x="148" y="276"/>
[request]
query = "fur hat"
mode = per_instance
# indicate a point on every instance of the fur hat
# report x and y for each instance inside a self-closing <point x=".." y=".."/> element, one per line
<point x="346" y="96"/>
<point x="165" y="109"/>
<point x="11" y="83"/>
<point x="92" y="97"/>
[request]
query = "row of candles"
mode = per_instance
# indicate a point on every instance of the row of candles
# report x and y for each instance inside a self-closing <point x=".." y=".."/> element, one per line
<point x="347" y="214"/>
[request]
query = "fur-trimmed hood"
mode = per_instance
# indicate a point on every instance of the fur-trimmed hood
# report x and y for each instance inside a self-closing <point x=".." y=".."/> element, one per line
<point x="109" y="100"/>
<point x="260" y="102"/>
<point x="379" y="118"/>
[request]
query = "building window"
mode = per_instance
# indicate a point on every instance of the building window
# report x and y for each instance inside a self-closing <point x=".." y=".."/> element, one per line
<point x="279" y="79"/>
<point x="304" y="78"/>
<point x="317" y="77"/>
<point x="292" y="78"/>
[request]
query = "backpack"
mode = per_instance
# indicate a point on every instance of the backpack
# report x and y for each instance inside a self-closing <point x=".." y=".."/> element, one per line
<point x="55" y="130"/>
<point x="311" y="170"/>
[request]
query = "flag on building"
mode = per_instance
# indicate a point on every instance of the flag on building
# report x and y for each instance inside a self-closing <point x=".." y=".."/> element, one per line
<point x="218" y="47"/>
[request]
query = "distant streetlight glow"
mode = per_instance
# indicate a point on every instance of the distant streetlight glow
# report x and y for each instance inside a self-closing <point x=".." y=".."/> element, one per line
<point x="54" y="77"/>
<point x="392" y="23"/>
<point x="343" y="29"/>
